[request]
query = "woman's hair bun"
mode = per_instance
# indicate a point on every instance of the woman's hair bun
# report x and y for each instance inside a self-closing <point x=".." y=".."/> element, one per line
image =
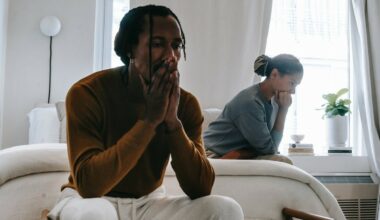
<point x="261" y="65"/>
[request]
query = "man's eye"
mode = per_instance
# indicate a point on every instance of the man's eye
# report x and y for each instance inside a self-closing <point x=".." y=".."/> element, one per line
<point x="157" y="44"/>
<point x="177" y="46"/>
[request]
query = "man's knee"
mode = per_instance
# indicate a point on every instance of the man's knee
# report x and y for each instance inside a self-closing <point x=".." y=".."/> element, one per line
<point x="222" y="207"/>
<point x="94" y="209"/>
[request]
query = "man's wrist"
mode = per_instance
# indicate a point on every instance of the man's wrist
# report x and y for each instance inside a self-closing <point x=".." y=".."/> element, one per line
<point x="173" y="125"/>
<point x="150" y="123"/>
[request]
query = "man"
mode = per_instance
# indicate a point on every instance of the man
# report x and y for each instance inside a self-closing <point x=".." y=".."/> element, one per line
<point x="124" y="123"/>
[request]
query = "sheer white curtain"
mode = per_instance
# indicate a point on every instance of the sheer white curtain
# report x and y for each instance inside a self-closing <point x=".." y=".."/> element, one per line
<point x="364" y="18"/>
<point x="223" y="39"/>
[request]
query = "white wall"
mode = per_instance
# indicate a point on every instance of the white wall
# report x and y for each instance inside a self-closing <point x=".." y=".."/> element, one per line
<point x="3" y="35"/>
<point x="27" y="58"/>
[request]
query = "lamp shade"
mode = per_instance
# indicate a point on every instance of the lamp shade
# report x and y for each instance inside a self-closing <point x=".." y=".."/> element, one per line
<point x="50" y="26"/>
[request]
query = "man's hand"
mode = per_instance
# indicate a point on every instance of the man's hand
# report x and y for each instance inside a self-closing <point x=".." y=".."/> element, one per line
<point x="171" y="119"/>
<point x="157" y="95"/>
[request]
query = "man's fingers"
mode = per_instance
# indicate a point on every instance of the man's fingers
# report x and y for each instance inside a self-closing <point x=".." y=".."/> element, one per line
<point x="144" y="85"/>
<point x="166" y="79"/>
<point x="176" y="84"/>
<point x="158" y="79"/>
<point x="169" y="85"/>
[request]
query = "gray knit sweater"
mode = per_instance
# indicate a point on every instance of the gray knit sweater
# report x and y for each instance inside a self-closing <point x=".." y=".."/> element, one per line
<point x="246" y="122"/>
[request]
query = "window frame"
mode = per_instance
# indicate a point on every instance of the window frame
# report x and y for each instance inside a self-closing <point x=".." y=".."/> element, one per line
<point x="103" y="35"/>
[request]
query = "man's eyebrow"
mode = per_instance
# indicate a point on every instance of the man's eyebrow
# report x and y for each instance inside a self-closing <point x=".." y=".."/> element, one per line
<point x="178" y="39"/>
<point x="158" y="38"/>
<point x="163" y="39"/>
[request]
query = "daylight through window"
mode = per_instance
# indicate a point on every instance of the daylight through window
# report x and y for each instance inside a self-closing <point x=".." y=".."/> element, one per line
<point x="315" y="32"/>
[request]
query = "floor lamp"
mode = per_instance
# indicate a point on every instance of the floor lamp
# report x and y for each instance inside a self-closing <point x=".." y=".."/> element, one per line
<point x="50" y="26"/>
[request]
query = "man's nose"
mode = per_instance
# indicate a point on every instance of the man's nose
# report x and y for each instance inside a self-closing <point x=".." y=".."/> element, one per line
<point x="169" y="52"/>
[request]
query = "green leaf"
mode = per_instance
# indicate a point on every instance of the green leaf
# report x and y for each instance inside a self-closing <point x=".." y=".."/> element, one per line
<point x="335" y="111"/>
<point x="331" y="98"/>
<point x="334" y="105"/>
<point x="341" y="92"/>
<point x="347" y="102"/>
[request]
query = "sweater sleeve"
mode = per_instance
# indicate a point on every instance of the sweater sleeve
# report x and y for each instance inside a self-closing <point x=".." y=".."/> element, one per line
<point x="253" y="126"/>
<point x="189" y="161"/>
<point x="97" y="168"/>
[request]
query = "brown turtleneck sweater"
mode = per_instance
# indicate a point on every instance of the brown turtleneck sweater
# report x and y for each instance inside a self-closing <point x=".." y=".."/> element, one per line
<point x="113" y="152"/>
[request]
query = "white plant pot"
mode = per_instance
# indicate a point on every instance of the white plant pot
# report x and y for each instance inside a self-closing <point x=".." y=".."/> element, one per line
<point x="337" y="131"/>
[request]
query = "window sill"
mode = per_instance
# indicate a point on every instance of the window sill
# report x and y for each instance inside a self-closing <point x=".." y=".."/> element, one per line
<point x="315" y="164"/>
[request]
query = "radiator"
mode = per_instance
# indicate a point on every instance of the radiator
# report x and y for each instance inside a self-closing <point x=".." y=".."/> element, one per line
<point x="357" y="194"/>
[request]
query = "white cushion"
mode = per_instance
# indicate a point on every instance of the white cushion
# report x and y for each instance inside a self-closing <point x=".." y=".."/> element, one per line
<point x="43" y="125"/>
<point x="61" y="110"/>
<point x="210" y="114"/>
<point x="29" y="159"/>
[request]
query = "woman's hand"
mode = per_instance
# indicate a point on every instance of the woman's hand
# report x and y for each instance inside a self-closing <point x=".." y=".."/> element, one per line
<point x="283" y="99"/>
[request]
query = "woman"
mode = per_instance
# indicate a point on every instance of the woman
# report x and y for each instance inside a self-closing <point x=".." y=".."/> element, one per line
<point x="252" y="123"/>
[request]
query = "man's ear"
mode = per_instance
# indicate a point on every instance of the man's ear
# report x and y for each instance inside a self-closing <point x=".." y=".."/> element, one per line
<point x="130" y="55"/>
<point x="131" y="51"/>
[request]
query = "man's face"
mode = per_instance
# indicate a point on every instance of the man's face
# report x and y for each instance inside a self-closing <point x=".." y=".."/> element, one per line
<point x="166" y="46"/>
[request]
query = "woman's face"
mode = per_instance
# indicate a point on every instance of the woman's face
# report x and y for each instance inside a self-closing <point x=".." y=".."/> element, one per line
<point x="285" y="82"/>
<point x="166" y="46"/>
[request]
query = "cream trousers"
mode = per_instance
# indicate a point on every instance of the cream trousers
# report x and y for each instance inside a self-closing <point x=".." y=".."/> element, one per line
<point x="157" y="205"/>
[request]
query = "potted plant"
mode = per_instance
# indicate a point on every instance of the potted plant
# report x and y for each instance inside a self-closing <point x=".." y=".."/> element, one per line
<point x="336" y="115"/>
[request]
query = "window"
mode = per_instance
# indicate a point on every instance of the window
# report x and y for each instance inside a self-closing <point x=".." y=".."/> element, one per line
<point x="119" y="9"/>
<point x="317" y="33"/>
<point x="108" y="17"/>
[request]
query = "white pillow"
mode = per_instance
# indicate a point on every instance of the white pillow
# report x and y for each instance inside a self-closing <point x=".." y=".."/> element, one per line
<point x="210" y="115"/>
<point x="43" y="125"/>
<point x="61" y="111"/>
